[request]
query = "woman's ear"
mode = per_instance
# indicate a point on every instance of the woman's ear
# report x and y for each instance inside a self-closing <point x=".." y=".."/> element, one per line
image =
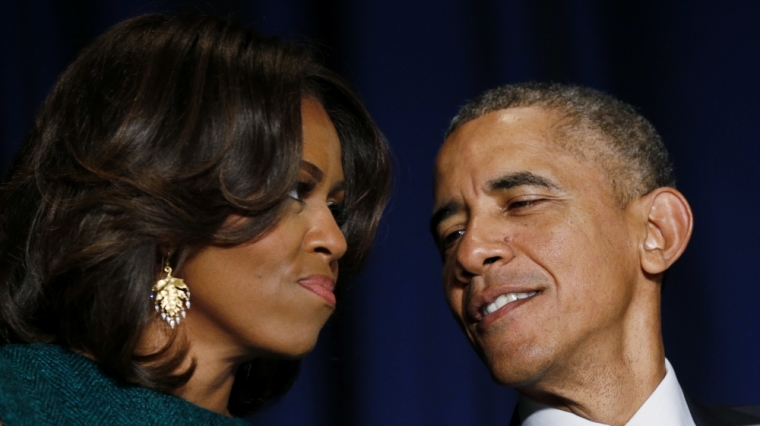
<point x="669" y="225"/>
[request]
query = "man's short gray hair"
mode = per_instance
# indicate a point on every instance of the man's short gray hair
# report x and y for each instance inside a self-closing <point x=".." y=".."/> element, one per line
<point x="596" y="127"/>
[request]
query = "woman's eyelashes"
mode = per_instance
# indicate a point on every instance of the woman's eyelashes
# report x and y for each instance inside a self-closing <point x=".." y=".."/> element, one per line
<point x="302" y="191"/>
<point x="338" y="211"/>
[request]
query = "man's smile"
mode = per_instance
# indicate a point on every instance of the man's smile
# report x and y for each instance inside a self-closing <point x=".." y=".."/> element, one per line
<point x="501" y="306"/>
<point x="492" y="303"/>
<point x="503" y="300"/>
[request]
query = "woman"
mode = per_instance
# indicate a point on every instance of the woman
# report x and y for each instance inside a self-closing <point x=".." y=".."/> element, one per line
<point x="174" y="224"/>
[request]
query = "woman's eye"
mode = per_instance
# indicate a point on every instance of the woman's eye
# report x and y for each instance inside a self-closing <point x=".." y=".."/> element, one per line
<point x="301" y="190"/>
<point x="338" y="212"/>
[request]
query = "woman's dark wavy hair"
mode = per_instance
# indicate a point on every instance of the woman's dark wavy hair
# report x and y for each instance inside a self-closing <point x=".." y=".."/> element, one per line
<point x="159" y="130"/>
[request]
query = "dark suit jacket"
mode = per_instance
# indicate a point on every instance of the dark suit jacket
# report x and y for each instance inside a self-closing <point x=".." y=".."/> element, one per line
<point x="705" y="415"/>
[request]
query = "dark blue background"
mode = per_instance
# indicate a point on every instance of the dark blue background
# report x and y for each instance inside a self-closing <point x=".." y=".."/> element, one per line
<point x="392" y="355"/>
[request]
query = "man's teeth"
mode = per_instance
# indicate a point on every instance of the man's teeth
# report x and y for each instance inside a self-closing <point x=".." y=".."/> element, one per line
<point x="503" y="300"/>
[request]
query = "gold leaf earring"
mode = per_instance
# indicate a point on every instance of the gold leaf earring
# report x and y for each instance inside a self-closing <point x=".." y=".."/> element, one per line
<point x="171" y="297"/>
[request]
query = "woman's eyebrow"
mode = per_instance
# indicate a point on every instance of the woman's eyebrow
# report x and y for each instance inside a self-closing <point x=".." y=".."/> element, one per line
<point x="313" y="170"/>
<point x="318" y="175"/>
<point x="338" y="187"/>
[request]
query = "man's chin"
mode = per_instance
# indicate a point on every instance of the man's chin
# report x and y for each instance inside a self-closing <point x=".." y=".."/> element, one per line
<point x="515" y="370"/>
<point x="513" y="378"/>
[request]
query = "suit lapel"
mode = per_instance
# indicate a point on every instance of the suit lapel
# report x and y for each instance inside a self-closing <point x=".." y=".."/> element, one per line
<point x="516" y="417"/>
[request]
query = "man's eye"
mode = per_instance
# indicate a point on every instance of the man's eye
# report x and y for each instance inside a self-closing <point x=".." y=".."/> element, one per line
<point x="449" y="239"/>
<point x="522" y="204"/>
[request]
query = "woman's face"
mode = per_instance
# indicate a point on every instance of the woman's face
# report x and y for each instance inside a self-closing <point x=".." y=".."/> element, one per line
<point x="271" y="297"/>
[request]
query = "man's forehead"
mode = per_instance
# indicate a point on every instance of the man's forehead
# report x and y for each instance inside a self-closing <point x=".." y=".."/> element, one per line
<point x="501" y="131"/>
<point x="517" y="141"/>
<point x="499" y="137"/>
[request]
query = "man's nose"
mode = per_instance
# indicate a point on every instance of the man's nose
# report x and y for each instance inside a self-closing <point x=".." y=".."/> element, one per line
<point x="483" y="244"/>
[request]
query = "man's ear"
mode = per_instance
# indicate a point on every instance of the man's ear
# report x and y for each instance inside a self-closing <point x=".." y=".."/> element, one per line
<point x="669" y="225"/>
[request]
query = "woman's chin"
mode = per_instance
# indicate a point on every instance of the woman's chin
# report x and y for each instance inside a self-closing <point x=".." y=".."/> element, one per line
<point x="289" y="351"/>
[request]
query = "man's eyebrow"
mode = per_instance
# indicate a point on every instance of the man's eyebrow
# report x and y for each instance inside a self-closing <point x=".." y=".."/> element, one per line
<point x="513" y="180"/>
<point x="442" y="213"/>
<point x="313" y="170"/>
<point x="502" y="183"/>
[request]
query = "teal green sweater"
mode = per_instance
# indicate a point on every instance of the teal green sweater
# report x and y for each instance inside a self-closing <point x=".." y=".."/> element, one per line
<point x="47" y="385"/>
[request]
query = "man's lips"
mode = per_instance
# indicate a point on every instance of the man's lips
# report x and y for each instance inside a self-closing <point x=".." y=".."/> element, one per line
<point x="321" y="285"/>
<point x="498" y="298"/>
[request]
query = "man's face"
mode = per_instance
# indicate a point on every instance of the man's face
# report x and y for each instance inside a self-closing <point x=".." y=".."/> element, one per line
<point x="523" y="222"/>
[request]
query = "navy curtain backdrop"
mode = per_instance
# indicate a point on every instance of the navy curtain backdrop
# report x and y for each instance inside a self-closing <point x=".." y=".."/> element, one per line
<point x="392" y="354"/>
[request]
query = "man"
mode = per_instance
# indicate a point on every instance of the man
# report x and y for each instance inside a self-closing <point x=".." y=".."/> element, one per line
<point x="556" y="216"/>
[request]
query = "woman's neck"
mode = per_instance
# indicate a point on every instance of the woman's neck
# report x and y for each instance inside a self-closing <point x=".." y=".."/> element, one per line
<point x="210" y="385"/>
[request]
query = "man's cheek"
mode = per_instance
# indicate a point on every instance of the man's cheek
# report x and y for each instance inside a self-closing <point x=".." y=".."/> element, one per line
<point x="454" y="298"/>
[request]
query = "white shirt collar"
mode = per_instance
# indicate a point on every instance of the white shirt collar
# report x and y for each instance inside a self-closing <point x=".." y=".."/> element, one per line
<point x="665" y="406"/>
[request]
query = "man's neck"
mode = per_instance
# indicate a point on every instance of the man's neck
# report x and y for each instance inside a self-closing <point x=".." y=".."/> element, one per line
<point x="613" y="402"/>
<point x="611" y="378"/>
